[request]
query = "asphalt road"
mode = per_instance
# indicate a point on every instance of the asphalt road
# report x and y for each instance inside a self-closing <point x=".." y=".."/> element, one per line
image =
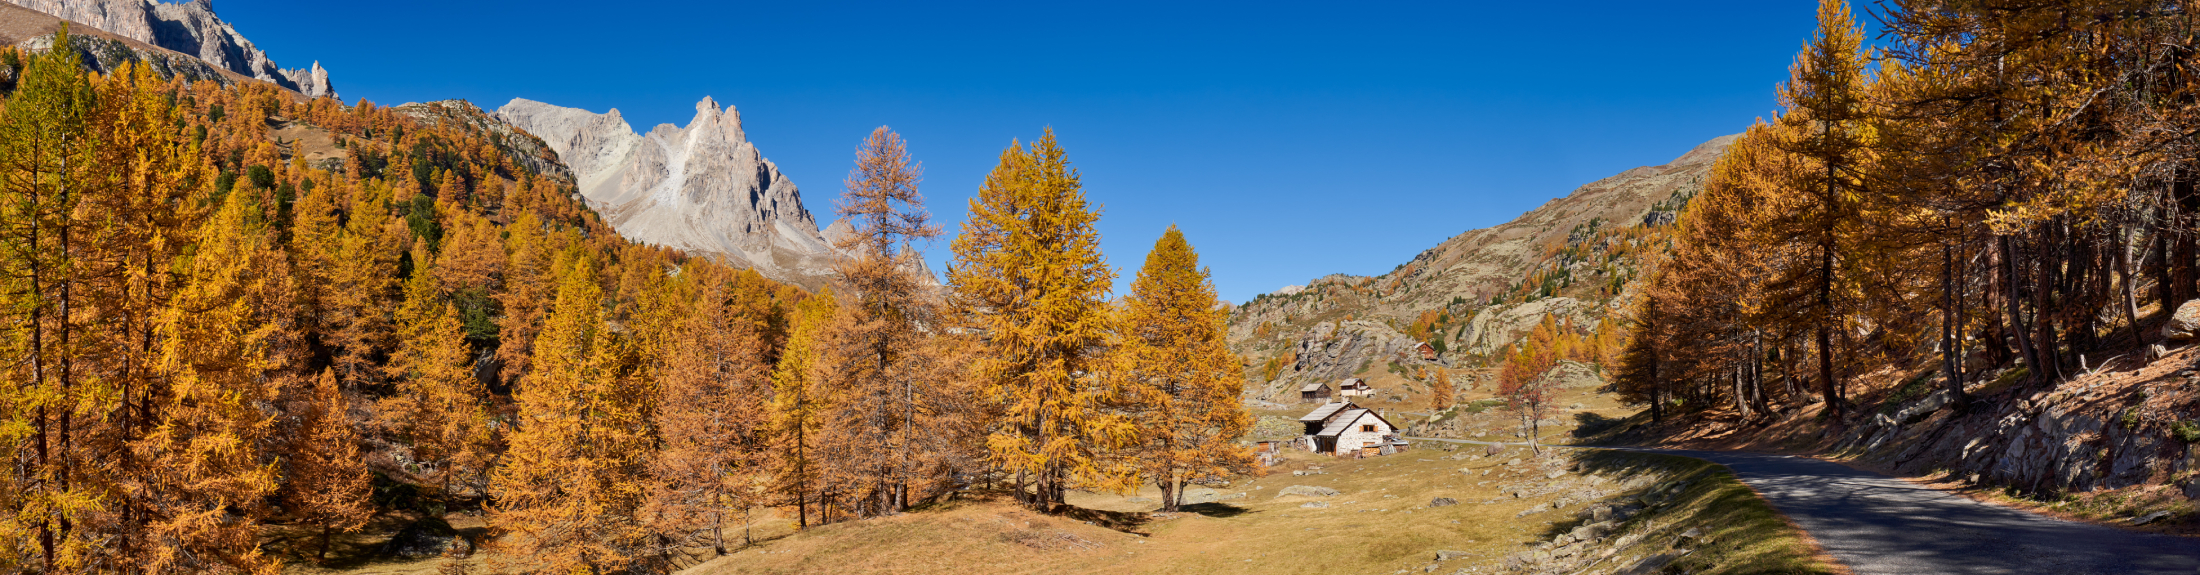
<point x="1881" y="525"/>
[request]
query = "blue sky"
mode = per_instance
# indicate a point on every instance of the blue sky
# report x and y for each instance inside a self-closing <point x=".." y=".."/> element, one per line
<point x="1289" y="140"/>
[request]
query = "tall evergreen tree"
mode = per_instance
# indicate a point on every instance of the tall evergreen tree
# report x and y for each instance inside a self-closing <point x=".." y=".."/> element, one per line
<point x="328" y="485"/>
<point x="799" y="404"/>
<point x="1028" y="276"/>
<point x="47" y="153"/>
<point x="1184" y="380"/>
<point x="711" y="420"/>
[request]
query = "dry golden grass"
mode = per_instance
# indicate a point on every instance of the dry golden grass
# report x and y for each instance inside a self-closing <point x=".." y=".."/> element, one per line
<point x="1379" y="524"/>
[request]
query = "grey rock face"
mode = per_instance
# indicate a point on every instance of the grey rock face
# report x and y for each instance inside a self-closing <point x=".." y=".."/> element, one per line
<point x="703" y="188"/>
<point x="190" y="28"/>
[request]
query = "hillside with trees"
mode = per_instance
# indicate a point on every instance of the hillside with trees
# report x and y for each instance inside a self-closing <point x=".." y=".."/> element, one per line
<point x="1965" y="243"/>
<point x="243" y="324"/>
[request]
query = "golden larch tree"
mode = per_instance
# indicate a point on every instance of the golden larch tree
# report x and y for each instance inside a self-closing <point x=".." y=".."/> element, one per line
<point x="711" y="421"/>
<point x="328" y="485"/>
<point x="1184" y="381"/>
<point x="1029" y="279"/>
<point x="798" y="407"/>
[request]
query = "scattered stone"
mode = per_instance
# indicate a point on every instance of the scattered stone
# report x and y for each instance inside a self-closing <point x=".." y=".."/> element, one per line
<point x="2185" y="324"/>
<point x="1308" y="491"/>
<point x="1512" y="462"/>
<point x="1447" y="555"/>
<point x="1691" y="533"/>
<point x="1555" y="474"/>
<point x="1443" y="502"/>
<point x="2155" y="516"/>
<point x="1315" y="504"/>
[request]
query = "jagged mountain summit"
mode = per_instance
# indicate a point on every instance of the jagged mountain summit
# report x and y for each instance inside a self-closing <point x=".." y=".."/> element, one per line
<point x="190" y="28"/>
<point x="703" y="188"/>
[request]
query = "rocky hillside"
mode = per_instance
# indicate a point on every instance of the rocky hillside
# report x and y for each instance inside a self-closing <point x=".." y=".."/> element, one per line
<point x="189" y="28"/>
<point x="703" y="188"/>
<point x="1574" y="257"/>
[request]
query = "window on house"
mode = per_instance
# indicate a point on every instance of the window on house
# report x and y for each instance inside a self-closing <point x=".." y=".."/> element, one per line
<point x="1370" y="428"/>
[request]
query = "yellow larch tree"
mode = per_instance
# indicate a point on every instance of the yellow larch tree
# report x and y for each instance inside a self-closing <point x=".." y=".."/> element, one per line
<point x="798" y="407"/>
<point x="561" y="487"/>
<point x="1029" y="279"/>
<point x="897" y="423"/>
<point x="327" y="484"/>
<point x="440" y="408"/>
<point x="214" y="478"/>
<point x="710" y="420"/>
<point x="1184" y="381"/>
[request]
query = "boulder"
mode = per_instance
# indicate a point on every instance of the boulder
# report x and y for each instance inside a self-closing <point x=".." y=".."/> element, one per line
<point x="1308" y="491"/>
<point x="2185" y="324"/>
<point x="1493" y="450"/>
<point x="1447" y="555"/>
<point x="1443" y="502"/>
<point x="1315" y="504"/>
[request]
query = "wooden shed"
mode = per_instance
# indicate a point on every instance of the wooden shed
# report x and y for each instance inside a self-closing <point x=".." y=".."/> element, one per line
<point x="1428" y="352"/>
<point x="1317" y="391"/>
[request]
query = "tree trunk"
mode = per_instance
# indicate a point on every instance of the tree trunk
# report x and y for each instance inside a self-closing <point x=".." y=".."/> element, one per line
<point x="1951" y="329"/>
<point x="2010" y="304"/>
<point x="2131" y="301"/>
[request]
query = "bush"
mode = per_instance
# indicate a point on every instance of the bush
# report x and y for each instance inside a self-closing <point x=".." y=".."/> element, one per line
<point x="2185" y="431"/>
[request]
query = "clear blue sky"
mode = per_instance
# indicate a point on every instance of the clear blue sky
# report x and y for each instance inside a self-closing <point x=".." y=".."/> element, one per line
<point x="1289" y="140"/>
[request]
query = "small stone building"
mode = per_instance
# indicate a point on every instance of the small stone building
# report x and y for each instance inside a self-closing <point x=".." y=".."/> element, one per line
<point x="1317" y="391"/>
<point x="1345" y="429"/>
<point x="1355" y="387"/>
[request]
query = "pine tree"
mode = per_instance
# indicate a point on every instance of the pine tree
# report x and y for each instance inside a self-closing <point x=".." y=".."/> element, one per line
<point x="799" y="404"/>
<point x="1028" y="276"/>
<point x="208" y="477"/>
<point x="1185" y="381"/>
<point x="562" y="487"/>
<point x="47" y="154"/>
<point x="439" y="407"/>
<point x="898" y="425"/>
<point x="1524" y="383"/>
<point x="711" y="420"/>
<point x="1826" y="125"/>
<point x="328" y="484"/>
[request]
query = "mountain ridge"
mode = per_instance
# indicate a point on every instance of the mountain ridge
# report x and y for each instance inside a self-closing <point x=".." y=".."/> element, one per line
<point x="703" y="188"/>
<point x="189" y="28"/>
<point x="1574" y="257"/>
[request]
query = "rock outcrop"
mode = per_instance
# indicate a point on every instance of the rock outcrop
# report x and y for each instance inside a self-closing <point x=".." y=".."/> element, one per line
<point x="190" y="28"/>
<point x="703" y="188"/>
<point x="1331" y="352"/>
<point x="1571" y="244"/>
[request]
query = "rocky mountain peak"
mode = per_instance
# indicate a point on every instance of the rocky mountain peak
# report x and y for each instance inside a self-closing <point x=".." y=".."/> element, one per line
<point x="703" y="187"/>
<point x="190" y="28"/>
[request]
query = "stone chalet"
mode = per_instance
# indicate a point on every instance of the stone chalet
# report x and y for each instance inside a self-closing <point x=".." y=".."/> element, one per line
<point x="1347" y="430"/>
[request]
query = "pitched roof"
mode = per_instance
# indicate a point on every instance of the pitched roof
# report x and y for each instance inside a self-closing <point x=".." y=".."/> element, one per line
<point x="1327" y="409"/>
<point x="1316" y="386"/>
<point x="1352" y="383"/>
<point x="1341" y="424"/>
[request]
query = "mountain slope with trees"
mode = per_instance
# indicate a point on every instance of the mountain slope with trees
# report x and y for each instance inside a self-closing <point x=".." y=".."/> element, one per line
<point x="1968" y="249"/>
